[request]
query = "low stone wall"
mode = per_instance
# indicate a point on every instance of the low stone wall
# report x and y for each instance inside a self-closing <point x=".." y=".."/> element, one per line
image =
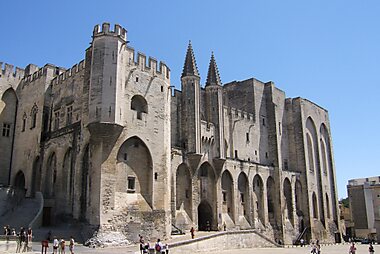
<point x="223" y="241"/>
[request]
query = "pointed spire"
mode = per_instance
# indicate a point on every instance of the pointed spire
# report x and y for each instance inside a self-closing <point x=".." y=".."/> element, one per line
<point x="190" y="67"/>
<point x="213" y="77"/>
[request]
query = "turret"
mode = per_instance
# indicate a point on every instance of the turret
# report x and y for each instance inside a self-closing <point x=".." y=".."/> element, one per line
<point x="214" y="105"/>
<point x="190" y="82"/>
<point x="106" y="54"/>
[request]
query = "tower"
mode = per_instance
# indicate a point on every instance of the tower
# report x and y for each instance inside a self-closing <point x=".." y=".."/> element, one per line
<point x="190" y="83"/>
<point x="214" y="105"/>
<point x="106" y="56"/>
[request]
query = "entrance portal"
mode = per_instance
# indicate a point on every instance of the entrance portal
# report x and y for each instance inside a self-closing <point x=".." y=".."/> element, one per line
<point x="205" y="220"/>
<point x="20" y="181"/>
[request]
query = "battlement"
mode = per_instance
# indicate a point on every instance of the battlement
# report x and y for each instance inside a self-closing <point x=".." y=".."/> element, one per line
<point x="8" y="71"/>
<point x="69" y="72"/>
<point x="152" y="66"/>
<point x="37" y="74"/>
<point x="105" y="30"/>
<point x="237" y="114"/>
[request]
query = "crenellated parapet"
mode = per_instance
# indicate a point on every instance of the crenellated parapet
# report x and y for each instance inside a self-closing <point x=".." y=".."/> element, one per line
<point x="8" y="70"/>
<point x="118" y="31"/>
<point x="152" y="66"/>
<point x="40" y="73"/>
<point x="76" y="68"/>
<point x="237" y="114"/>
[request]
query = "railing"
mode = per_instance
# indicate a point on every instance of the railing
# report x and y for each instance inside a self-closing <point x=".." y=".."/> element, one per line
<point x="301" y="235"/>
<point x="177" y="230"/>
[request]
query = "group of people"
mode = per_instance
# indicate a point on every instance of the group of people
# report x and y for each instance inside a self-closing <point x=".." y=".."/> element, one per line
<point x="352" y="249"/>
<point x="23" y="238"/>
<point x="159" y="247"/>
<point x="59" y="246"/>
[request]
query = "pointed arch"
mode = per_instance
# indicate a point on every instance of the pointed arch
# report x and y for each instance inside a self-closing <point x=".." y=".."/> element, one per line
<point x="325" y="136"/>
<point x="315" y="206"/>
<point x="139" y="104"/>
<point x="312" y="131"/>
<point x="243" y="187"/>
<point x="19" y="181"/>
<point x="84" y="176"/>
<point x="50" y="176"/>
<point x="8" y="111"/>
<point x="33" y="115"/>
<point x="288" y="199"/>
<point x="228" y="194"/>
<point x="206" y="178"/>
<point x="327" y="205"/>
<point x="68" y="179"/>
<point x="258" y="201"/>
<point x="135" y="160"/>
<point x="184" y="189"/>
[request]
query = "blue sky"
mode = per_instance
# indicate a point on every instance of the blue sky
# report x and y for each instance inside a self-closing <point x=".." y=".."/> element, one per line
<point x="325" y="51"/>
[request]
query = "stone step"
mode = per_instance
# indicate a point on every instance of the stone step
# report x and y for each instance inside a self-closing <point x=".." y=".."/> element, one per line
<point x="22" y="214"/>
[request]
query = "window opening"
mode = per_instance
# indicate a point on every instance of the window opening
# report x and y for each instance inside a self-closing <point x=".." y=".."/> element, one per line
<point x="6" y="129"/>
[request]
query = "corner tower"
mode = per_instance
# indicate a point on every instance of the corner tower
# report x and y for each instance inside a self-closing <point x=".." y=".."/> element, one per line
<point x="190" y="83"/>
<point x="104" y="75"/>
<point x="214" y="105"/>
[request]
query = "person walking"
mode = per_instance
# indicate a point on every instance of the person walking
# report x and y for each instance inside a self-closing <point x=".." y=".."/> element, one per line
<point x="29" y="239"/>
<point x="352" y="249"/>
<point x="62" y="246"/>
<point x="55" y="245"/>
<point x="142" y="244"/>
<point x="192" y="230"/>
<point x="371" y="249"/>
<point x="158" y="246"/>
<point x="71" y="246"/>
<point x="18" y="243"/>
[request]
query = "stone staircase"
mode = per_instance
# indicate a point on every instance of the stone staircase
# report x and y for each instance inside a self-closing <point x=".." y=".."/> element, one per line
<point x="21" y="215"/>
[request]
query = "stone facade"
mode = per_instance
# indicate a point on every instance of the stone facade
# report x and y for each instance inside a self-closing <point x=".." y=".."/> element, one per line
<point x="108" y="142"/>
<point x="364" y="198"/>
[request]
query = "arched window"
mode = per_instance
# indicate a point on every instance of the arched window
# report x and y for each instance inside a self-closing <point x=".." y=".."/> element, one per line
<point x="33" y="114"/>
<point x="139" y="104"/>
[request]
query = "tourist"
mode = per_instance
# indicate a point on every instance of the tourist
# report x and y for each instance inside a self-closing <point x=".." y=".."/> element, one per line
<point x="23" y="240"/>
<point x="352" y="249"/>
<point x="192" y="232"/>
<point x="18" y="243"/>
<point x="62" y="246"/>
<point x="29" y="239"/>
<point x="55" y="245"/>
<point x="318" y="248"/>
<point x="302" y="241"/>
<point x="371" y="250"/>
<point x="158" y="246"/>
<point x="142" y="243"/>
<point x="71" y="246"/>
<point x="166" y="248"/>
<point x="14" y="232"/>
<point x="313" y="248"/>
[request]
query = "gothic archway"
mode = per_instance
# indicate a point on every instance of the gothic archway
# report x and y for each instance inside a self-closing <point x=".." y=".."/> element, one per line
<point x="243" y="188"/>
<point x="258" y="191"/>
<point x="228" y="194"/>
<point x="183" y="189"/>
<point x="19" y="181"/>
<point x="205" y="216"/>
<point x="51" y="176"/>
<point x="288" y="199"/>
<point x="136" y="166"/>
